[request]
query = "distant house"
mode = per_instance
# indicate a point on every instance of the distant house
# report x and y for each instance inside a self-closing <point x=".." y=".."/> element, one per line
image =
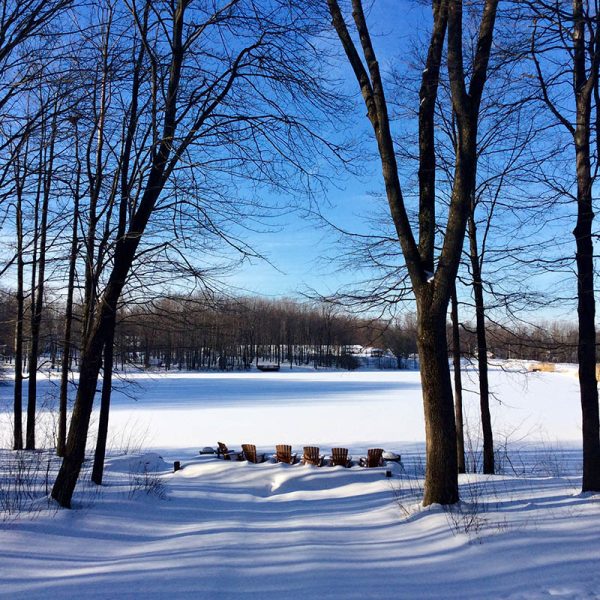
<point x="376" y="352"/>
<point x="352" y="349"/>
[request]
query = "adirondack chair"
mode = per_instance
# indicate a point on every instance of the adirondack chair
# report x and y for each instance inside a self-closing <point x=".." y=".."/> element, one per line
<point x="283" y="454"/>
<point x="311" y="456"/>
<point x="339" y="457"/>
<point x="251" y="455"/>
<point x="373" y="458"/>
<point x="226" y="453"/>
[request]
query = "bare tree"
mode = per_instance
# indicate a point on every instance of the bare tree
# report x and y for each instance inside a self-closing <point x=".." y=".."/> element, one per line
<point x="21" y="22"/>
<point x="206" y="91"/>
<point x="565" y="44"/>
<point x="431" y="285"/>
<point x="68" y="324"/>
<point x="45" y="174"/>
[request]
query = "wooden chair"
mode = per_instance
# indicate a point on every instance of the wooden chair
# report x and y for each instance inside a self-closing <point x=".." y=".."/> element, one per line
<point x="373" y="458"/>
<point x="283" y="454"/>
<point x="339" y="457"/>
<point x="251" y="455"/>
<point x="311" y="456"/>
<point x="226" y="453"/>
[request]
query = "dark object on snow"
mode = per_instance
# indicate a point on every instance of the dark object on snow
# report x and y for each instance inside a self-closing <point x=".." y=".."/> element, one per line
<point x="312" y="457"/>
<point x="388" y="473"/>
<point x="339" y="457"/>
<point x="207" y="450"/>
<point x="284" y="454"/>
<point x="250" y="454"/>
<point x="176" y="466"/>
<point x="268" y="368"/>
<point x="373" y="459"/>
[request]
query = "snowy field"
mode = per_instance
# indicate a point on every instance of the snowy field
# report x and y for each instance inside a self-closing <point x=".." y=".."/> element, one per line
<point x="226" y="530"/>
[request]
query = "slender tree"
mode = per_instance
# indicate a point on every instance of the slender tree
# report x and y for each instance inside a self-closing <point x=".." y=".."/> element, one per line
<point x="566" y="41"/>
<point x="72" y="266"/>
<point x="458" y="400"/>
<point x="19" y="177"/>
<point x="38" y="270"/>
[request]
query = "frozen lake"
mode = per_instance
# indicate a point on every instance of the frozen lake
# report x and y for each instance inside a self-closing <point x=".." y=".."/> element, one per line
<point x="355" y="409"/>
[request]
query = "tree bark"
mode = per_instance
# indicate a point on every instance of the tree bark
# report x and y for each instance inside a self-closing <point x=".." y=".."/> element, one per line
<point x="64" y="486"/>
<point x="482" y="361"/>
<point x="100" y="453"/>
<point x="586" y="312"/>
<point x="583" y="53"/>
<point x="18" y="394"/>
<point x="458" y="403"/>
<point x="66" y="357"/>
<point x="46" y="167"/>
<point x="441" y="483"/>
<point x="102" y="326"/>
<point x="431" y="286"/>
<point x="586" y="302"/>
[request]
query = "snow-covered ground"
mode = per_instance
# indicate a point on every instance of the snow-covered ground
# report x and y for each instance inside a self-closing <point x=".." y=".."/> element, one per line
<point x="225" y="530"/>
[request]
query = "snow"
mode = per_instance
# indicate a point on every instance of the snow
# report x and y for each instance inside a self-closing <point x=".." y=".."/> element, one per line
<point x="221" y="529"/>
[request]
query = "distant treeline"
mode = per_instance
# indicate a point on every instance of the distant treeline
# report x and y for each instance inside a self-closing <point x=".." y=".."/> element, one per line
<point x="234" y="334"/>
<point x="224" y="334"/>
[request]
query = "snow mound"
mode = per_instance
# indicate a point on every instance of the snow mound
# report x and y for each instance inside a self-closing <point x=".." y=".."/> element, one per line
<point x="150" y="462"/>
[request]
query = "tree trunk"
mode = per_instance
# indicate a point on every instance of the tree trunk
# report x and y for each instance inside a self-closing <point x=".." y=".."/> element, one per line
<point x="64" y="486"/>
<point x="583" y="232"/>
<point x="586" y="312"/>
<point x="32" y="349"/>
<point x="441" y="483"/>
<point x="585" y="57"/>
<point x="458" y="404"/>
<point x="18" y="395"/>
<point x="66" y="358"/>
<point x="36" y="316"/>
<point x="98" y="469"/>
<point x="482" y="362"/>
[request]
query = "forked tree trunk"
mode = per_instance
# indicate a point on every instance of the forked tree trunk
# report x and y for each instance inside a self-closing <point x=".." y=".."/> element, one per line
<point x="431" y="284"/>
<point x="482" y="361"/>
<point x="458" y="403"/>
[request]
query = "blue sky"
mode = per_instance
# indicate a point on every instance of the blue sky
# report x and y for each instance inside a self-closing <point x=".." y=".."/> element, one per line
<point x="302" y="252"/>
<point x="305" y="255"/>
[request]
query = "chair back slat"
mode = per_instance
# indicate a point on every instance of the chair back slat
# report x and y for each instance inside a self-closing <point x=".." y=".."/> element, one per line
<point x="374" y="457"/>
<point x="283" y="453"/>
<point x="311" y="455"/>
<point x="224" y="451"/>
<point x="250" y="452"/>
<point x="339" y="456"/>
